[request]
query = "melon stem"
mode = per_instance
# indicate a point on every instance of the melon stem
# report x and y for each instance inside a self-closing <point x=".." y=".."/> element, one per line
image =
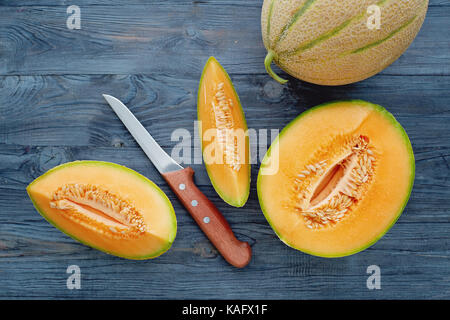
<point x="267" y="63"/>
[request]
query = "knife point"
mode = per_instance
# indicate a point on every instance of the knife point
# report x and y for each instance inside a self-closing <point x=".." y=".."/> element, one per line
<point x="109" y="98"/>
<point x="162" y="161"/>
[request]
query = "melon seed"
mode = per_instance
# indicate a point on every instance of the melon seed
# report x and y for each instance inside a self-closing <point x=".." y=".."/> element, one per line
<point x="224" y="124"/>
<point x="325" y="193"/>
<point x="99" y="210"/>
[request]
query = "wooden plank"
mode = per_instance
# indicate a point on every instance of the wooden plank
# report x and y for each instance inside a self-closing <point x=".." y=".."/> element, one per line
<point x="70" y="111"/>
<point x="126" y="39"/>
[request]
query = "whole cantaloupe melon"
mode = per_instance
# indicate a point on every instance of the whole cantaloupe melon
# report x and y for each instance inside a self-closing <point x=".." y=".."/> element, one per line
<point x="331" y="42"/>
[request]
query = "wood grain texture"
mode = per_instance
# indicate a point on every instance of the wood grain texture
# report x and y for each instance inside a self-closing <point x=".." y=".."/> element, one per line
<point x="123" y="39"/>
<point x="150" y="54"/>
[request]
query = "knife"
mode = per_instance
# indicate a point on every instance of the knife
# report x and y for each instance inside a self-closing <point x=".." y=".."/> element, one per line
<point x="181" y="181"/>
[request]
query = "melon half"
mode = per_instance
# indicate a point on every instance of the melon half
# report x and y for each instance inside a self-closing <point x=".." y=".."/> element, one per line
<point x="331" y="42"/>
<point x="343" y="174"/>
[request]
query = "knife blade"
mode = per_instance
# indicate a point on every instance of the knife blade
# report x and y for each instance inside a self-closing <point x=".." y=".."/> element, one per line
<point x="181" y="181"/>
<point x="160" y="159"/>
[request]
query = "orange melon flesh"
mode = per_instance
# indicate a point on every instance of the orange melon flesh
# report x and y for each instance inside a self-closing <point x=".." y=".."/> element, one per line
<point x="381" y="204"/>
<point x="232" y="185"/>
<point x="154" y="206"/>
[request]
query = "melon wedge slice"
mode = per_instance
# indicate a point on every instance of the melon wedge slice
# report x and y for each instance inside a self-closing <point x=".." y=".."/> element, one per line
<point x="224" y="136"/>
<point x="107" y="207"/>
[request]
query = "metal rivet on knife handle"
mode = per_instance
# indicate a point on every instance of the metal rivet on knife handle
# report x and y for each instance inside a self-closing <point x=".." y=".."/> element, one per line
<point x="216" y="228"/>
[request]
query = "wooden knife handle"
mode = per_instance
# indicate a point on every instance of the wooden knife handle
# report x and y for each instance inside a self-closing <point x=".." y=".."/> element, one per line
<point x="208" y="217"/>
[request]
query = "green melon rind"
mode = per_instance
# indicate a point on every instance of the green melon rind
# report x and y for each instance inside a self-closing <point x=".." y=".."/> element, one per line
<point x="331" y="104"/>
<point x="294" y="19"/>
<point x="120" y="167"/>
<point x="269" y="17"/>
<point x="329" y="34"/>
<point x="232" y="202"/>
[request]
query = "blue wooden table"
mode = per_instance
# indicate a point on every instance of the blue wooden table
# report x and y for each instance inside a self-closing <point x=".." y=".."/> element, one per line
<point x="150" y="54"/>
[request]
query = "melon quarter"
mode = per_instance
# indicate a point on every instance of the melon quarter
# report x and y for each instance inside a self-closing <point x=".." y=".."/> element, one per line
<point x="107" y="207"/>
<point x="345" y="173"/>
<point x="328" y="42"/>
